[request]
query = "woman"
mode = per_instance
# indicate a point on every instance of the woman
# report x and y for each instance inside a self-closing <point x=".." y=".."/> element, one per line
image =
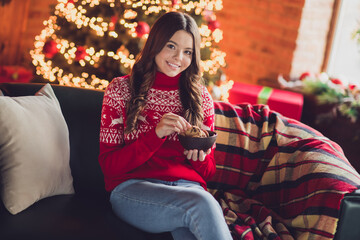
<point x="155" y="184"/>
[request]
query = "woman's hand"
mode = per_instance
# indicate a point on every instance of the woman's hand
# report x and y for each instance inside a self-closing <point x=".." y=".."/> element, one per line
<point x="196" y="155"/>
<point x="170" y="123"/>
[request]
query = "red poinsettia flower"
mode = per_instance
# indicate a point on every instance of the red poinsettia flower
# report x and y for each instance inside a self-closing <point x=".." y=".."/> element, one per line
<point x="305" y="75"/>
<point x="15" y="74"/>
<point x="352" y="86"/>
<point x="336" y="81"/>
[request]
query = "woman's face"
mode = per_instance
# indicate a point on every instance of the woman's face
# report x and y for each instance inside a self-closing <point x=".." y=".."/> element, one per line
<point x="176" y="55"/>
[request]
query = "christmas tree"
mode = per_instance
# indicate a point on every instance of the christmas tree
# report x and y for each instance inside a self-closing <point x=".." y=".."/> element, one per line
<point x="86" y="43"/>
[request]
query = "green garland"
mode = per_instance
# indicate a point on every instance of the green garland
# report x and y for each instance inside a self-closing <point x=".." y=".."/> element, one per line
<point x="356" y="36"/>
<point x="326" y="90"/>
<point x="345" y="99"/>
<point x="331" y="94"/>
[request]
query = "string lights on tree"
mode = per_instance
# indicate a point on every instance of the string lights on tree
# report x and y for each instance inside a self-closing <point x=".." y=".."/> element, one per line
<point x="86" y="43"/>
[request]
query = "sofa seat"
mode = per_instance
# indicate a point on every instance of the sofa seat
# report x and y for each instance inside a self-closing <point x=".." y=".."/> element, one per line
<point x="70" y="217"/>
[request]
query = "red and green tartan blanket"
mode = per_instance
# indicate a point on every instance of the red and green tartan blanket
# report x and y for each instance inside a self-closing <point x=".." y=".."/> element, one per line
<point x="277" y="178"/>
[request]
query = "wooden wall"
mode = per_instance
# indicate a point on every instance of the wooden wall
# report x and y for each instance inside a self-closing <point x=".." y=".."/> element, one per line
<point x="13" y="23"/>
<point x="20" y="22"/>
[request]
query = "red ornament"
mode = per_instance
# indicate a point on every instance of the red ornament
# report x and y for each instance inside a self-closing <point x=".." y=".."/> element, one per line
<point x="69" y="2"/>
<point x="174" y="2"/>
<point x="142" y="28"/>
<point x="50" y="49"/>
<point x="80" y="53"/>
<point x="213" y="24"/>
<point x="113" y="23"/>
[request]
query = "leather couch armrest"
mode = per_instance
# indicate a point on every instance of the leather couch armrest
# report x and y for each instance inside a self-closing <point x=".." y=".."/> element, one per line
<point x="348" y="225"/>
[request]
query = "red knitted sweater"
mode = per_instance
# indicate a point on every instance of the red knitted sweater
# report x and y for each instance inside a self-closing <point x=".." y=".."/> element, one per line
<point x="141" y="154"/>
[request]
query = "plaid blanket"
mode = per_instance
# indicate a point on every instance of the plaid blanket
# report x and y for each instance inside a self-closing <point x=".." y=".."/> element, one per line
<point x="277" y="178"/>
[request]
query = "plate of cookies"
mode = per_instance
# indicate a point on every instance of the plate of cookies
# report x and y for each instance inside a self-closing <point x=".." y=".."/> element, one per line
<point x="197" y="138"/>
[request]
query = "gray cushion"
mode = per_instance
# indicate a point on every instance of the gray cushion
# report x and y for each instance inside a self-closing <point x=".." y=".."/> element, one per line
<point x="34" y="150"/>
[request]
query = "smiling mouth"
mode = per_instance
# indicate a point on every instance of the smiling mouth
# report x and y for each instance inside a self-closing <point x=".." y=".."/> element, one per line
<point x="173" y="65"/>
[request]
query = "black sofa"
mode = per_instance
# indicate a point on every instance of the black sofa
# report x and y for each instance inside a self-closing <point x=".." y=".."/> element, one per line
<point x="87" y="214"/>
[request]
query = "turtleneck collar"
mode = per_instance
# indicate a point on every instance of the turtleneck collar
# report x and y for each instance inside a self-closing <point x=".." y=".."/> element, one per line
<point x="164" y="82"/>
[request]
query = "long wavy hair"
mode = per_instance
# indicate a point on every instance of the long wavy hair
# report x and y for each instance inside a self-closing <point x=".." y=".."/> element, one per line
<point x="144" y="70"/>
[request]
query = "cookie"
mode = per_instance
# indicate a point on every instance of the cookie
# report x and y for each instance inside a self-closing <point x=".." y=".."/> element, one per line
<point x="195" y="131"/>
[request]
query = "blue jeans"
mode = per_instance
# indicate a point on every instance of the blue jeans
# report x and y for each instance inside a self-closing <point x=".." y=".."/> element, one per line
<point x="183" y="208"/>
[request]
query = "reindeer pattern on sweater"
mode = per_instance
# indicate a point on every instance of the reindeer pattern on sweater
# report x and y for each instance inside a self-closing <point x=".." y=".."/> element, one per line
<point x="159" y="102"/>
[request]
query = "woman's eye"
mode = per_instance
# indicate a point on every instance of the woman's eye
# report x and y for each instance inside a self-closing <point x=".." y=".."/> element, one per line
<point x="171" y="46"/>
<point x="188" y="53"/>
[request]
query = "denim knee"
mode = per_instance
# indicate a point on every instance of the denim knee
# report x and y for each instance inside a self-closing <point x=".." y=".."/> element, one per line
<point x="205" y="203"/>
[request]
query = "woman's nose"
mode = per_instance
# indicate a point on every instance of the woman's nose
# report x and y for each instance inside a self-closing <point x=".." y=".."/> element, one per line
<point x="178" y="55"/>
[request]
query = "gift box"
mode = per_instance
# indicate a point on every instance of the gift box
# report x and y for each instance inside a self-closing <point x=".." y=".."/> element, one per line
<point x="287" y="103"/>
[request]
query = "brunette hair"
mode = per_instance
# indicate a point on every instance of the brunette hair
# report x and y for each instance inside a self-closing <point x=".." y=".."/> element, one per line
<point x="143" y="72"/>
